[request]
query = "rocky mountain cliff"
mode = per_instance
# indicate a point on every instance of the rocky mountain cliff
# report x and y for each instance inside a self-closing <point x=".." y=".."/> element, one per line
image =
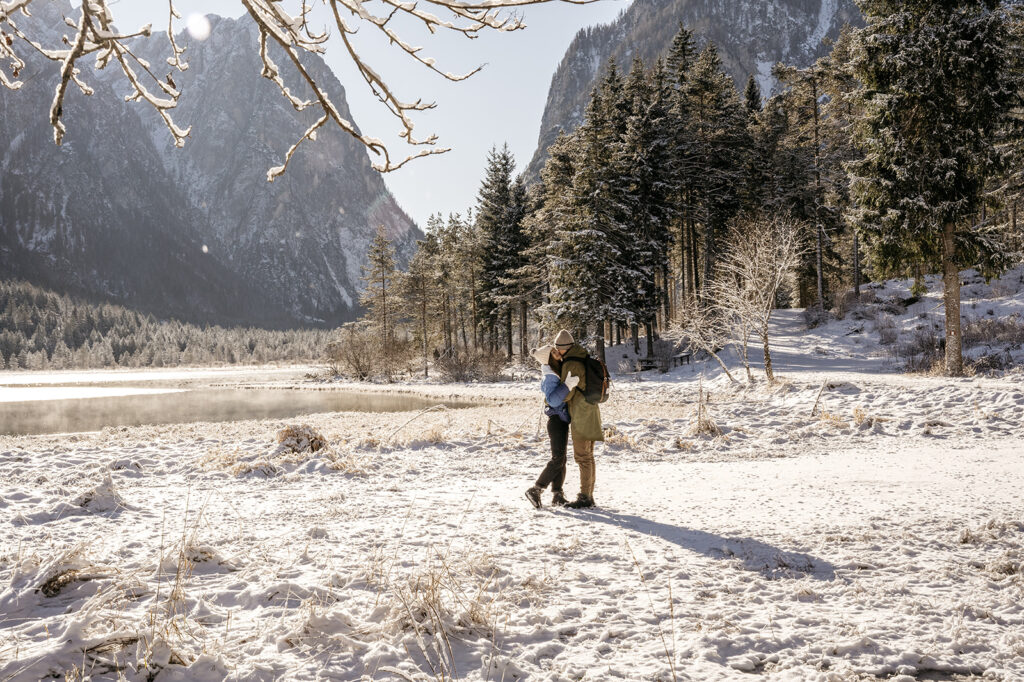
<point x="751" y="36"/>
<point x="281" y="254"/>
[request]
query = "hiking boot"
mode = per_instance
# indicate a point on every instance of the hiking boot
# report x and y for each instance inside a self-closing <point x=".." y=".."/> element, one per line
<point x="581" y="502"/>
<point x="558" y="499"/>
<point x="533" y="495"/>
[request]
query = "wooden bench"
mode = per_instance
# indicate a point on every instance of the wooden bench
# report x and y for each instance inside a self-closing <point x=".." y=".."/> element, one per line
<point x="644" y="364"/>
<point x="679" y="358"/>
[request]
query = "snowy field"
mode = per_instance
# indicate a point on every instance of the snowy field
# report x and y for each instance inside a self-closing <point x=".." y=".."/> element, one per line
<point x="849" y="523"/>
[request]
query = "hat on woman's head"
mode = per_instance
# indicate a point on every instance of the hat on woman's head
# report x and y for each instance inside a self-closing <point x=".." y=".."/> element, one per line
<point x="564" y="340"/>
<point x="542" y="354"/>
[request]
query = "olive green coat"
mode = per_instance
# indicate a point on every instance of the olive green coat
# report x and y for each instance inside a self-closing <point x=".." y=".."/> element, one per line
<point x="586" y="417"/>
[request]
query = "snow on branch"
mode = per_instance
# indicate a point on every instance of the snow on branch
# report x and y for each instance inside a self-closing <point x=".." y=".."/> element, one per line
<point x="94" y="34"/>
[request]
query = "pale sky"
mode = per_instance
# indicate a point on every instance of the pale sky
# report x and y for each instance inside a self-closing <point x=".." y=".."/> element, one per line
<point x="502" y="103"/>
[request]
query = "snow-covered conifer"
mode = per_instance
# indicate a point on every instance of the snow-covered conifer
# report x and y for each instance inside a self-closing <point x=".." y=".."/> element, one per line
<point x="938" y="86"/>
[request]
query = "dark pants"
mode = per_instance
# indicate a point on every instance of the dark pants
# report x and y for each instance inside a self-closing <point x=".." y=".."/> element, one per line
<point x="554" y="472"/>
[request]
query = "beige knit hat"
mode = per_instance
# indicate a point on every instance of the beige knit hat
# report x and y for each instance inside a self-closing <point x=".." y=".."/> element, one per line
<point x="564" y="340"/>
<point x="542" y="354"/>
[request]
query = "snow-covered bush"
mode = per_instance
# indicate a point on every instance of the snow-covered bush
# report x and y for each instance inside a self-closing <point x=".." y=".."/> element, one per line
<point x="1006" y="331"/>
<point x="815" y="316"/>
<point x="888" y="332"/>
<point x="924" y="351"/>
<point x="858" y="308"/>
<point x="355" y="351"/>
<point x="461" y="367"/>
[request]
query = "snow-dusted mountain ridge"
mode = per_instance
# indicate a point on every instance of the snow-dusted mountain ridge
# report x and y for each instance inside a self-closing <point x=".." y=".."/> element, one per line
<point x="276" y="254"/>
<point x="751" y="36"/>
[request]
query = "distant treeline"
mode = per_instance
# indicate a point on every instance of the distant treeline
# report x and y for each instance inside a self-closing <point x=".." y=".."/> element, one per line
<point x="40" y="329"/>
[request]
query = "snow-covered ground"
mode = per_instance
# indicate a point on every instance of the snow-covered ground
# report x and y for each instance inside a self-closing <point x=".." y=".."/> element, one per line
<point x="849" y="523"/>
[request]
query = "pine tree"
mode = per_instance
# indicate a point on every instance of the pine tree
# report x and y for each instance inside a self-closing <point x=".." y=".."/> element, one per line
<point x="514" y="292"/>
<point x="586" y="250"/>
<point x="805" y="98"/>
<point x="551" y="219"/>
<point x="752" y="97"/>
<point x="420" y="294"/>
<point x="643" y="158"/>
<point x="466" y="247"/>
<point x="500" y="240"/>
<point x="841" y="110"/>
<point x="931" y="145"/>
<point x="679" y="63"/>
<point x="719" y="145"/>
<point x="380" y="276"/>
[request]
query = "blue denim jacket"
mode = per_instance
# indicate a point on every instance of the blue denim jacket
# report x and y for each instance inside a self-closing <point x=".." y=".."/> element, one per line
<point x="555" y="393"/>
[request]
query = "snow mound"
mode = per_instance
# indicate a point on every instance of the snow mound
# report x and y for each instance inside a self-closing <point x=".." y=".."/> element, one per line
<point x="103" y="498"/>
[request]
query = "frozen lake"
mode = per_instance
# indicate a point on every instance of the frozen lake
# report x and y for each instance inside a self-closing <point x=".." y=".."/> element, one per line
<point x="69" y="403"/>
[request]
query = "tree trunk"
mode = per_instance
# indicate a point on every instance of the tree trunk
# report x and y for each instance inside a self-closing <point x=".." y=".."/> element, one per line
<point x="767" y="355"/>
<point x="634" y="327"/>
<point x="746" y="359"/>
<point x="523" y="341"/>
<point x="709" y="242"/>
<point x="600" y="341"/>
<point x="722" y="365"/>
<point x="951" y="285"/>
<point x="508" y="336"/>
<point x="446" y="313"/>
<point x="1013" y="225"/>
<point x="856" y="265"/>
<point x="695" y="284"/>
<point x="684" y="257"/>
<point x="472" y="300"/>
<point x="815" y="104"/>
<point x="820" y="274"/>
<point x="423" y="313"/>
<point x="666" y="297"/>
<point x="649" y="328"/>
<point x="462" y="325"/>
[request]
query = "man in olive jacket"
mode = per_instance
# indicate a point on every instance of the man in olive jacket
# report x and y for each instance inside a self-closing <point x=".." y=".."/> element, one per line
<point x="585" y="422"/>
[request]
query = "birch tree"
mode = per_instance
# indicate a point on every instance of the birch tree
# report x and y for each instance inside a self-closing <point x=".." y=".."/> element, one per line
<point x="762" y="252"/>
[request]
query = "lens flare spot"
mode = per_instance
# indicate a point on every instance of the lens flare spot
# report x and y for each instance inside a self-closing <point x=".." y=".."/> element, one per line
<point x="198" y="26"/>
<point x="206" y="249"/>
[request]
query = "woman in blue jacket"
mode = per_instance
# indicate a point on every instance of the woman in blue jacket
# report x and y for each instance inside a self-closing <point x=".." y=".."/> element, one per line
<point x="555" y="392"/>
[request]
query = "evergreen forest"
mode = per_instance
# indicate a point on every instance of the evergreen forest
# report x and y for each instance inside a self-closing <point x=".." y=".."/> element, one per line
<point x="897" y="154"/>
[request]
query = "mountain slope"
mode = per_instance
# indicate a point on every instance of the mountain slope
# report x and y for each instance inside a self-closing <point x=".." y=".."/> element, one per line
<point x="275" y="254"/>
<point x="751" y="36"/>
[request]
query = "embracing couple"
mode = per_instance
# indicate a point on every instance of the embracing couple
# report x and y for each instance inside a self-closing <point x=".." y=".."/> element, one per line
<point x="563" y="381"/>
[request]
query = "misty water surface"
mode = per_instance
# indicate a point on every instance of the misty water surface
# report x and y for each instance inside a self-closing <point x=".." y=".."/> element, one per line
<point x="201" y="405"/>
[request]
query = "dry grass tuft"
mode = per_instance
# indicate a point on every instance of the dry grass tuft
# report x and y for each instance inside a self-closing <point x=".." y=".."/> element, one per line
<point x="300" y="438"/>
<point x="703" y="424"/>
<point x="862" y="419"/>
<point x="684" y="445"/>
<point x="832" y="419"/>
<point x="614" y="437"/>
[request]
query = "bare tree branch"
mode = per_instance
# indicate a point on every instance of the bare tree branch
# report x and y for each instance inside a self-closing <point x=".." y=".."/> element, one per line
<point x="94" y="33"/>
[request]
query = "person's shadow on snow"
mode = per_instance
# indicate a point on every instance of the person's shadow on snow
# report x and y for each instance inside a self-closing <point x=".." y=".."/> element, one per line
<point x="754" y="555"/>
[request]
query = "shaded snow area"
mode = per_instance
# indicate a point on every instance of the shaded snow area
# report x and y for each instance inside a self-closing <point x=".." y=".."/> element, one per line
<point x="849" y="523"/>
